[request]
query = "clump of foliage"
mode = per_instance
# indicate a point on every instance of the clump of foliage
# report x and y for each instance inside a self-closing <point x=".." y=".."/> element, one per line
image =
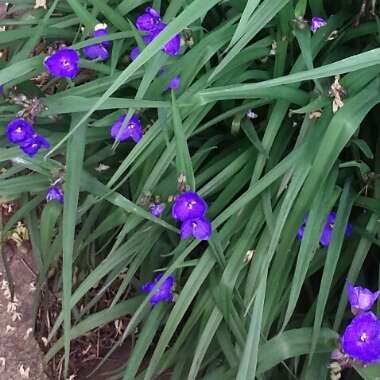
<point x="219" y="161"/>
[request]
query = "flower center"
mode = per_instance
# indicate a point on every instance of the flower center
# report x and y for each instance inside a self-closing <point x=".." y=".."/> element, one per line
<point x="194" y="225"/>
<point x="131" y="126"/>
<point x="65" y="64"/>
<point x="363" y="337"/>
<point x="191" y="204"/>
<point x="18" y="130"/>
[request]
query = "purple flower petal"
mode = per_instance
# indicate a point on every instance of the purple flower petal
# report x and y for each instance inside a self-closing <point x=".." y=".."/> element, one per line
<point x="33" y="144"/>
<point x="18" y="130"/>
<point x="189" y="205"/>
<point x="361" y="338"/>
<point x="316" y="23"/>
<point x="172" y="47"/>
<point x="157" y="209"/>
<point x="174" y="83"/>
<point x="131" y="131"/>
<point x="134" y="53"/>
<point x="163" y="293"/>
<point x="102" y="31"/>
<point x="200" y="228"/>
<point x="148" y="21"/>
<point x="54" y="193"/>
<point x="361" y="299"/>
<point x="327" y="231"/>
<point x="97" y="51"/>
<point x="326" y="235"/>
<point x="63" y="63"/>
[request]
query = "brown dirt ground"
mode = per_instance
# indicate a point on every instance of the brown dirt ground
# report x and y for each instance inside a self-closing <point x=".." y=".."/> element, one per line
<point x="20" y="355"/>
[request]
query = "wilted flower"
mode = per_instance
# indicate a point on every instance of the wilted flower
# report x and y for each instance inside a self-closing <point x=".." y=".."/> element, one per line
<point x="316" y="23"/>
<point x="200" y="228"/>
<point x="157" y="209"/>
<point x="54" y="193"/>
<point x="189" y="205"/>
<point x="18" y="130"/>
<point x="63" y="63"/>
<point x="174" y="83"/>
<point x="134" y="53"/>
<point x="33" y="144"/>
<point x="327" y="229"/>
<point x="164" y="291"/>
<point x="361" y="299"/>
<point x="361" y="339"/>
<point x="132" y="130"/>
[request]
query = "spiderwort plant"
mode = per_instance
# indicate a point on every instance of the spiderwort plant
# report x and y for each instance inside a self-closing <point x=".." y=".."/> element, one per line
<point x="361" y="299"/>
<point x="164" y="293"/>
<point x="326" y="235"/>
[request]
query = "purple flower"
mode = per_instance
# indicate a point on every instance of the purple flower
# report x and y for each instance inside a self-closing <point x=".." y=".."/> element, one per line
<point x="54" y="193"/>
<point x="148" y="21"/>
<point x="163" y="293"/>
<point x="132" y="130"/>
<point x="18" y="130"/>
<point x="96" y="51"/>
<point x="174" y="83"/>
<point x="33" y="144"/>
<point x="361" y="339"/>
<point x="157" y="209"/>
<point x="63" y="63"/>
<point x="316" y="23"/>
<point x="172" y="47"/>
<point x="200" y="228"/>
<point x="134" y="53"/>
<point x="361" y="299"/>
<point x="327" y="229"/>
<point x="188" y="205"/>
<point x="100" y="31"/>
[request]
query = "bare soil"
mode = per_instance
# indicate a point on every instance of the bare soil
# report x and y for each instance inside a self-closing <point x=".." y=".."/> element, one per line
<point x="20" y="355"/>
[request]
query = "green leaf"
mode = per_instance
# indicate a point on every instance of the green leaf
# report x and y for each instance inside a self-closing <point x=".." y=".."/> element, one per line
<point x="184" y="165"/>
<point x="75" y="156"/>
